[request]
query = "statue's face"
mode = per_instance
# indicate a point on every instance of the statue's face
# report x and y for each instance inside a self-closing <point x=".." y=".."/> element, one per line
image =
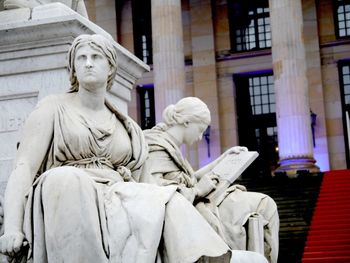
<point x="91" y="67"/>
<point x="194" y="132"/>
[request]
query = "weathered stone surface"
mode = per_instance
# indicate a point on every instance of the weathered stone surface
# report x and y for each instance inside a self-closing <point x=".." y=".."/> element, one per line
<point x="33" y="64"/>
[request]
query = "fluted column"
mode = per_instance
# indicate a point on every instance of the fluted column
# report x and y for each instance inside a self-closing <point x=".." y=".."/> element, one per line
<point x="292" y="100"/>
<point x="168" y="54"/>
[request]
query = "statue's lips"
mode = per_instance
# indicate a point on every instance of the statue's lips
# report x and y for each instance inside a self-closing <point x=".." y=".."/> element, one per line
<point x="90" y="72"/>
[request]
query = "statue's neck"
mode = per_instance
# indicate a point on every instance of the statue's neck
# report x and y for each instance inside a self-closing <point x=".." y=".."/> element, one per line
<point x="176" y="135"/>
<point x="93" y="99"/>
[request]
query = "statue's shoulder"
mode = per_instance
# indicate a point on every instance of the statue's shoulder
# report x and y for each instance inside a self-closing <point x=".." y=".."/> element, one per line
<point x="53" y="101"/>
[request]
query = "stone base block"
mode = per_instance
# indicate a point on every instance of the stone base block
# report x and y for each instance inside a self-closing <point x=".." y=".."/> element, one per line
<point x="296" y="166"/>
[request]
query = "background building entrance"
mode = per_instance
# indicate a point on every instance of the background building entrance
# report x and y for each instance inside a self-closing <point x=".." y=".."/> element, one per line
<point x="256" y="116"/>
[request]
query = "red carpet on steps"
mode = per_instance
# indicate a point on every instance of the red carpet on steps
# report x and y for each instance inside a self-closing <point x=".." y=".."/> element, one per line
<point x="329" y="234"/>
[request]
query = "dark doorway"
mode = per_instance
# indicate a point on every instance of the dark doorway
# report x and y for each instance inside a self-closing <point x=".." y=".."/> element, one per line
<point x="146" y="102"/>
<point x="344" y="79"/>
<point x="142" y="28"/>
<point x="256" y="116"/>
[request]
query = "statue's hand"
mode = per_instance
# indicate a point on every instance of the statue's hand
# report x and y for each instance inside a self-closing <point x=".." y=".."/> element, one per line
<point x="236" y="150"/>
<point x="206" y="184"/>
<point x="11" y="243"/>
<point x="188" y="193"/>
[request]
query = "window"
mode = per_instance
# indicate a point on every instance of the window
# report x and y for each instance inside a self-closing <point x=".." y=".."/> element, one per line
<point x="249" y="25"/>
<point x="345" y="80"/>
<point x="271" y="132"/>
<point x="342" y="17"/>
<point x="147" y="113"/>
<point x="256" y="118"/>
<point x="262" y="94"/>
<point x="142" y="28"/>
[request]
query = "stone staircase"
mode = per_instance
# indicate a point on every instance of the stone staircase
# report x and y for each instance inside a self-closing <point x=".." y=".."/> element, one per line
<point x="295" y="199"/>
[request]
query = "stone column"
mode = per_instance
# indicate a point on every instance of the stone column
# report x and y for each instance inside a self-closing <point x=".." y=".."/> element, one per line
<point x="292" y="99"/>
<point x="103" y="13"/>
<point x="168" y="55"/>
<point x="204" y="75"/>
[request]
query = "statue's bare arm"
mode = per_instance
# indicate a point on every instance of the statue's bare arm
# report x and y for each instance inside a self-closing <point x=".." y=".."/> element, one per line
<point x="37" y="134"/>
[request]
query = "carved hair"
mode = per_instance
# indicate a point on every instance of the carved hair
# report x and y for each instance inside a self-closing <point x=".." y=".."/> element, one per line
<point x="189" y="109"/>
<point x="100" y="43"/>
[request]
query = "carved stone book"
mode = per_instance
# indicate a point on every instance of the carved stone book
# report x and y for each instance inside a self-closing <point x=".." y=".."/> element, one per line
<point x="233" y="165"/>
<point x="229" y="169"/>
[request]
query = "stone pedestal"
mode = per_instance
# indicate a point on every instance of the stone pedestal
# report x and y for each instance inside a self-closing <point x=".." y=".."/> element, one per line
<point x="292" y="99"/>
<point x="33" y="49"/>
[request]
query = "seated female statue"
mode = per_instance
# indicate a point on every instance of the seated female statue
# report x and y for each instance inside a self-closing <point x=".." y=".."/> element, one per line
<point x="74" y="194"/>
<point x="185" y="122"/>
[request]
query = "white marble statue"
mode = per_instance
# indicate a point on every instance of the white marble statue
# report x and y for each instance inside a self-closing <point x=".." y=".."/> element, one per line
<point x="76" y="5"/>
<point x="185" y="123"/>
<point x="74" y="194"/>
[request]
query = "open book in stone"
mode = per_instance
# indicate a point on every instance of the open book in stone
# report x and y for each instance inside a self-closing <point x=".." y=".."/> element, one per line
<point x="233" y="165"/>
<point x="228" y="170"/>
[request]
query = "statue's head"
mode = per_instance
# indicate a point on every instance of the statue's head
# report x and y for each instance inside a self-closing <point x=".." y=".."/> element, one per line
<point x="99" y="42"/>
<point x="187" y="110"/>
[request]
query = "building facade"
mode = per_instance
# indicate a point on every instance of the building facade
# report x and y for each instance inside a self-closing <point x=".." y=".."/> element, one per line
<point x="274" y="73"/>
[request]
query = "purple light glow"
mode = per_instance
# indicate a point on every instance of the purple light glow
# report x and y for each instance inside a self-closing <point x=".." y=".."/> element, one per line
<point x="204" y="161"/>
<point x="150" y="85"/>
<point x="258" y="72"/>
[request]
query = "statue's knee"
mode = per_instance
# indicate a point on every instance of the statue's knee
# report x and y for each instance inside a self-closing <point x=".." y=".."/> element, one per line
<point x="61" y="178"/>
<point x="271" y="203"/>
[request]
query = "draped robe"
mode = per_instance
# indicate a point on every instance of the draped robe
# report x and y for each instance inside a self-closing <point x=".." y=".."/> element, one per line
<point x="228" y="217"/>
<point x="86" y="204"/>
